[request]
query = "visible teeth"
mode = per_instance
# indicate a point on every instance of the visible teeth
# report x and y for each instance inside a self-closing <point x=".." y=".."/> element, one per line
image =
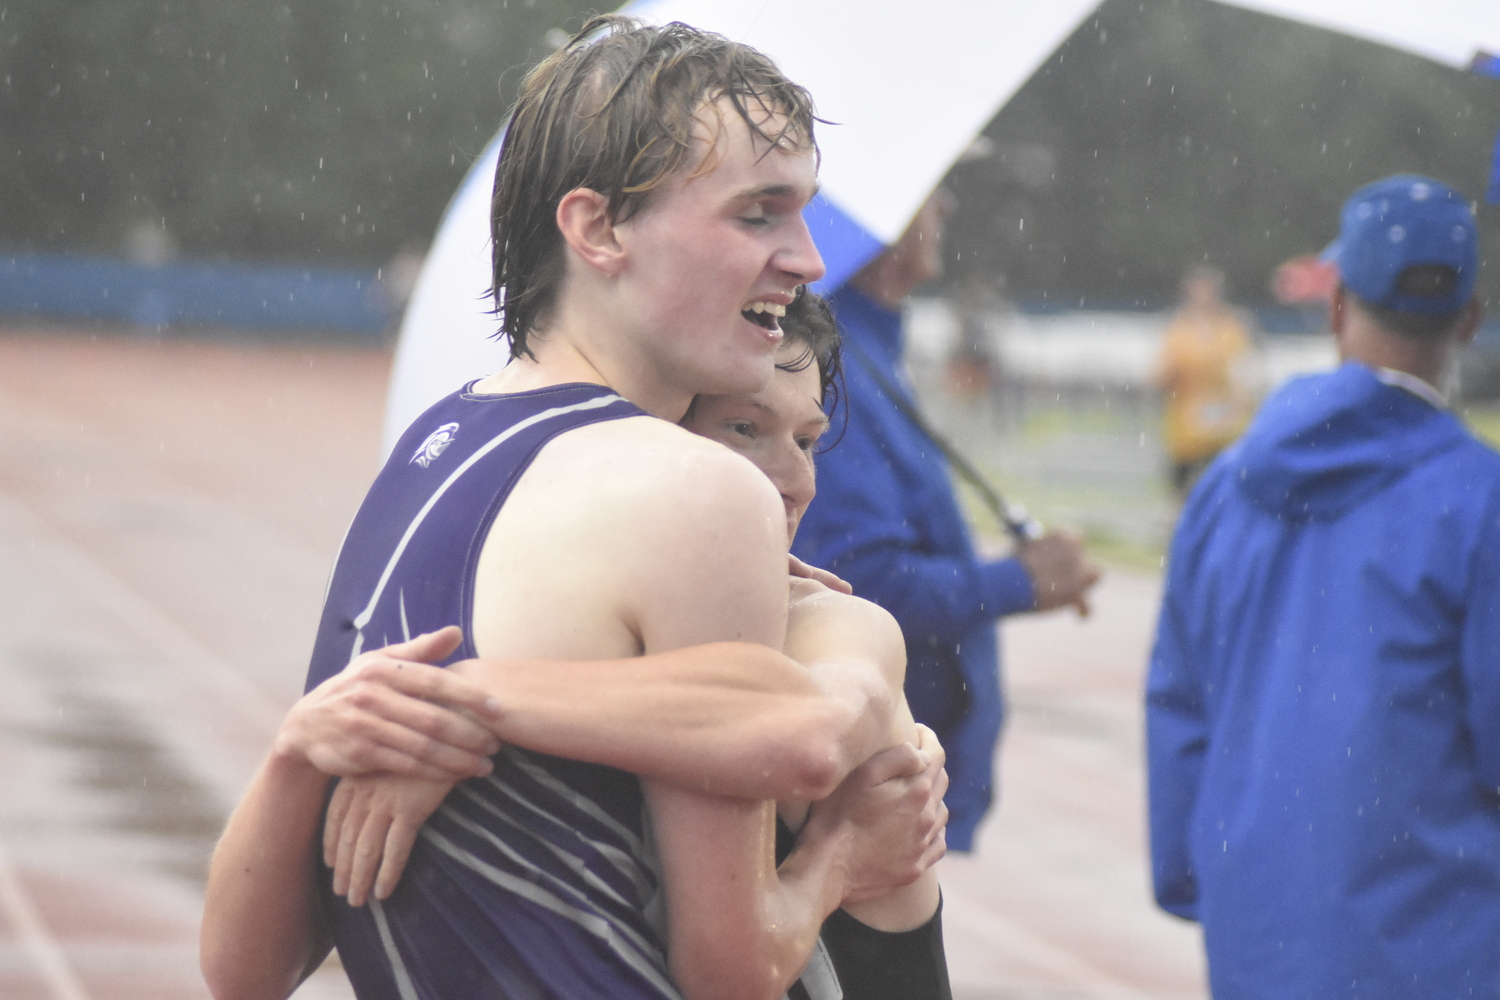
<point x="767" y="307"/>
<point x="759" y="307"/>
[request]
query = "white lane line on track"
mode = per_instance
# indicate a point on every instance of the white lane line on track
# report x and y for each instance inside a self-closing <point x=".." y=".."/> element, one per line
<point x="37" y="942"/>
<point x="148" y="621"/>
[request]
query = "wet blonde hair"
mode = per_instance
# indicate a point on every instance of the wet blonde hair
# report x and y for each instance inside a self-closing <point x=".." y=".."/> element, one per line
<point x="616" y="110"/>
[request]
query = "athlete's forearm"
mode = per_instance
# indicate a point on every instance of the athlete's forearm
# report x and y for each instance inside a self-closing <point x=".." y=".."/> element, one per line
<point x="263" y="929"/>
<point x="733" y="719"/>
<point x="855" y="655"/>
<point x="742" y="928"/>
<point x="757" y="953"/>
<point x="909" y="906"/>
<point x="739" y="929"/>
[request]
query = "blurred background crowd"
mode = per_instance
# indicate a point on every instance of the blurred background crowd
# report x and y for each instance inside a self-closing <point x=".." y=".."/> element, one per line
<point x="203" y="164"/>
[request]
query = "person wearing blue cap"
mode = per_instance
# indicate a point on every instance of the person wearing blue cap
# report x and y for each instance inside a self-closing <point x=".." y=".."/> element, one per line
<point x="1323" y="703"/>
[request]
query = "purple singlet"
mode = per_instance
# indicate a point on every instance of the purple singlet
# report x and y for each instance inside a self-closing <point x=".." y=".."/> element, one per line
<point x="536" y="881"/>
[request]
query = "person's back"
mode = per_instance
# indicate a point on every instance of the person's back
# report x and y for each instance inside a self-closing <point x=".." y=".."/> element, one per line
<point x="1345" y="820"/>
<point x="1324" y="696"/>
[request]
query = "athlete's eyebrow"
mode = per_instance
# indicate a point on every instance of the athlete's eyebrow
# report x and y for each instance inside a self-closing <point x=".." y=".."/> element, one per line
<point x="774" y="191"/>
<point x="766" y="408"/>
<point x="823" y="420"/>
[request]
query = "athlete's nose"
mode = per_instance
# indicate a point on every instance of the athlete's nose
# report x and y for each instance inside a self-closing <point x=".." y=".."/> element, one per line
<point x="801" y="258"/>
<point x="796" y="479"/>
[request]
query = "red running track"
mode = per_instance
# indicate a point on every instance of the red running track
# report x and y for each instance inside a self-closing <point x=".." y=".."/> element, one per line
<point x="168" y="513"/>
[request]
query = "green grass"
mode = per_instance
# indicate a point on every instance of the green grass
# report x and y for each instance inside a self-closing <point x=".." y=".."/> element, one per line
<point x="1485" y="422"/>
<point x="1105" y="546"/>
<point x="1044" y="423"/>
<point x="1119" y="510"/>
<point x="1123" y="553"/>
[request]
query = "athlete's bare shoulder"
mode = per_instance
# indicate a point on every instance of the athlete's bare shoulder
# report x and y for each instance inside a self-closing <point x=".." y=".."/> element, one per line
<point x="655" y="465"/>
<point x="825" y="623"/>
<point x="641" y="533"/>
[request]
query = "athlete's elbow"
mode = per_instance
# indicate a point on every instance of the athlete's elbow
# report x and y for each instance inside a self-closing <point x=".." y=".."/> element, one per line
<point x="232" y="974"/>
<point x="833" y="739"/>
<point x="229" y="978"/>
<point x="239" y="964"/>
<point x="816" y="764"/>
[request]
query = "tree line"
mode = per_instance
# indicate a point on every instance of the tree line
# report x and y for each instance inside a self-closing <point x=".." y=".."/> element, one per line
<point x="1164" y="132"/>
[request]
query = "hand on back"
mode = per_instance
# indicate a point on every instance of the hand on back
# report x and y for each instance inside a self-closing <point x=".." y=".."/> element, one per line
<point x="389" y="711"/>
<point x="372" y="823"/>
<point x="802" y="571"/>
<point x="399" y="733"/>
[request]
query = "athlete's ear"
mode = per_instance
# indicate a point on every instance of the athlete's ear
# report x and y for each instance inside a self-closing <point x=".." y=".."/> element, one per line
<point x="1337" y="308"/>
<point x="1468" y="323"/>
<point x="583" y="219"/>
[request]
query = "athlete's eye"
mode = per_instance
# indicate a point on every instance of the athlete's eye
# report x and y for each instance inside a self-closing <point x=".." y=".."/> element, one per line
<point x="741" y="427"/>
<point x="757" y="216"/>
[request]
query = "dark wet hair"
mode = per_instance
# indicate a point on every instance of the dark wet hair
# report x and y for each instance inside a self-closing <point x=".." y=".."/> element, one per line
<point x="809" y="322"/>
<point x="1414" y="326"/>
<point x="616" y="111"/>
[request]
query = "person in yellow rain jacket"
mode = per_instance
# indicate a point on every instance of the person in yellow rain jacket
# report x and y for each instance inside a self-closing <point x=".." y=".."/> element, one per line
<point x="1202" y="374"/>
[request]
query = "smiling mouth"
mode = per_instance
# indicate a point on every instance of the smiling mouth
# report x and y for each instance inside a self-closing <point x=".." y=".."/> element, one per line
<point x="764" y="314"/>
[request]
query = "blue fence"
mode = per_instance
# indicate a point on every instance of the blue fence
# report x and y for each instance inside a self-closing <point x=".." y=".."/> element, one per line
<point x="239" y="296"/>
<point x="340" y="300"/>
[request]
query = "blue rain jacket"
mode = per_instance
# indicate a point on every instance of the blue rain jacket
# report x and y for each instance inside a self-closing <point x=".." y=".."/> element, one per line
<point x="886" y="519"/>
<point x="1323" y="706"/>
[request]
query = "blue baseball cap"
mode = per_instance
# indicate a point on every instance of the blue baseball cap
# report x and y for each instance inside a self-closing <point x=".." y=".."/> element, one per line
<point x="1402" y="222"/>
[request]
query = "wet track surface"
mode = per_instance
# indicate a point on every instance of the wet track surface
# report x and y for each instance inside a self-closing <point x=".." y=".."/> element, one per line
<point x="168" y="513"/>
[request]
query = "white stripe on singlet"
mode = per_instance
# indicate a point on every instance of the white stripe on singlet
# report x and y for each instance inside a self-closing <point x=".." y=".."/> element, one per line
<point x="363" y="618"/>
<point x="628" y="860"/>
<point x="539" y="874"/>
<point x="404" y="985"/>
<point x="607" y="931"/>
<point x="569" y="859"/>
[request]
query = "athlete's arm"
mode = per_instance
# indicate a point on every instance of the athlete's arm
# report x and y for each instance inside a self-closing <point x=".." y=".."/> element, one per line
<point x="373" y="820"/>
<point x="263" y="930"/>
<point x="737" y="926"/>
<point x="735" y="717"/>
<point x="824" y="627"/>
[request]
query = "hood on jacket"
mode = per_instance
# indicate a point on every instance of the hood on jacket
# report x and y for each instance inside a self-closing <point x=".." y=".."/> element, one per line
<point x="1323" y="443"/>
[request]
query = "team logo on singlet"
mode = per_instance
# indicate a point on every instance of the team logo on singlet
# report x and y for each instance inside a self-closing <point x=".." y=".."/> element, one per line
<point x="437" y="442"/>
